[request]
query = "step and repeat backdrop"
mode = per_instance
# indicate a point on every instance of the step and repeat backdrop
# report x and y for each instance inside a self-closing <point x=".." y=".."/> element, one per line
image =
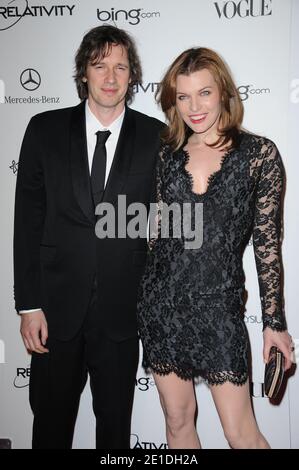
<point x="259" y="40"/>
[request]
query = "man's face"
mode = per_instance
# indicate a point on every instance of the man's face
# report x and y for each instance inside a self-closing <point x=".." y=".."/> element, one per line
<point x="108" y="79"/>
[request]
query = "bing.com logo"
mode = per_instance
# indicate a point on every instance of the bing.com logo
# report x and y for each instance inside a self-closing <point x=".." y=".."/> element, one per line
<point x="133" y="16"/>
<point x="246" y="91"/>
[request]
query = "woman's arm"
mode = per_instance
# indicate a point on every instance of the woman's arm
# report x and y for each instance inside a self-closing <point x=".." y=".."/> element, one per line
<point x="155" y="218"/>
<point x="267" y="250"/>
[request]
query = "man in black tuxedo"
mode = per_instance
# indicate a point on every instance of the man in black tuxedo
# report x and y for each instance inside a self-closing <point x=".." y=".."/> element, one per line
<point x="77" y="292"/>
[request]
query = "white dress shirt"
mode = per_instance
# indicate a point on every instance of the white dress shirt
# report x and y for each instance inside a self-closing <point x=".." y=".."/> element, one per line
<point x="92" y="126"/>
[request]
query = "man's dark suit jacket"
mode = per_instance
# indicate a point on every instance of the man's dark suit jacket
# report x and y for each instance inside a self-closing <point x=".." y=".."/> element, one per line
<point x="56" y="252"/>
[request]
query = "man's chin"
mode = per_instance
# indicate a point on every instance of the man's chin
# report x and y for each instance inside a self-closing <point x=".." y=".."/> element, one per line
<point x="110" y="104"/>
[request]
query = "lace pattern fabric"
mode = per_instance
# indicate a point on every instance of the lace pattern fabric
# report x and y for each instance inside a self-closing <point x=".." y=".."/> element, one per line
<point x="190" y="302"/>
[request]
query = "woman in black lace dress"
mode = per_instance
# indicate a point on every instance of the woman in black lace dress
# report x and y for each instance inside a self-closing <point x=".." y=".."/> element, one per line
<point x="224" y="185"/>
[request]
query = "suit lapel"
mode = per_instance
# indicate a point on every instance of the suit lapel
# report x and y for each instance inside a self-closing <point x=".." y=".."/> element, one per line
<point x="122" y="158"/>
<point x="79" y="161"/>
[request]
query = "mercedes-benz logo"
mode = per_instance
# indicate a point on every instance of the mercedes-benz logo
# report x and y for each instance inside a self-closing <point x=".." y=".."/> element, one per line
<point x="30" y="79"/>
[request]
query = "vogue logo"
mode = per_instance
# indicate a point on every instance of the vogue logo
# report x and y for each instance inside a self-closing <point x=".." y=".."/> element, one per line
<point x="132" y="16"/>
<point x="244" y="8"/>
<point x="13" y="11"/>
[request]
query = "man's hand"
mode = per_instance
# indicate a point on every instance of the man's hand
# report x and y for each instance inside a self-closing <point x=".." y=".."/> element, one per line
<point x="34" y="331"/>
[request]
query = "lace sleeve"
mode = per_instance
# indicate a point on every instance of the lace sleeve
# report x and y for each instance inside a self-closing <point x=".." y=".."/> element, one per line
<point x="267" y="238"/>
<point x="155" y="216"/>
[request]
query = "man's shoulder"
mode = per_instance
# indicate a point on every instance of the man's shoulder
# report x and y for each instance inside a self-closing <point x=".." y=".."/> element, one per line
<point x="145" y="119"/>
<point x="54" y="114"/>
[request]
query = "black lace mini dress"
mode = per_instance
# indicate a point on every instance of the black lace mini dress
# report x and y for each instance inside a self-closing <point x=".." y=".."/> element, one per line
<point x="191" y="299"/>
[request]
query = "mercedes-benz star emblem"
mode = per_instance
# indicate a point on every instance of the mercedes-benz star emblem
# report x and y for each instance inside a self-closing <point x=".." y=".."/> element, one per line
<point x="30" y="79"/>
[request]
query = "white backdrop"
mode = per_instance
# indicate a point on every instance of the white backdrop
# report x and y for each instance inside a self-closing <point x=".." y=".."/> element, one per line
<point x="259" y="40"/>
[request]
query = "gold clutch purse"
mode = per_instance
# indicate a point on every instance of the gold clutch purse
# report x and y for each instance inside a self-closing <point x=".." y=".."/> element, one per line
<point x="274" y="370"/>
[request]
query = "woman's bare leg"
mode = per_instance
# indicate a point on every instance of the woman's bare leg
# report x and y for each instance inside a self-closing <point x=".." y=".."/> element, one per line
<point x="178" y="402"/>
<point x="235" y="411"/>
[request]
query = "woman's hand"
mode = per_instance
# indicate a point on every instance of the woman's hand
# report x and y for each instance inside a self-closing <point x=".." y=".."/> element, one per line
<point x="283" y="341"/>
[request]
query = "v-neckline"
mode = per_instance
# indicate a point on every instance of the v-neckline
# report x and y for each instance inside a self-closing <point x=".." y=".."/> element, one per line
<point x="211" y="177"/>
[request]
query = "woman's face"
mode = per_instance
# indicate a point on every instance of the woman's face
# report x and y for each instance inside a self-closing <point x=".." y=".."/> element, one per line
<point x="198" y="101"/>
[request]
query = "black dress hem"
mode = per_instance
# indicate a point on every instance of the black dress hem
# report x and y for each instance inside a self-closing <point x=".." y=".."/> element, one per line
<point x="211" y="378"/>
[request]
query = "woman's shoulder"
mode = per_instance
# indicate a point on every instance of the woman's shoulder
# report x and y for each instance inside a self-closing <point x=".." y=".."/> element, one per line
<point x="261" y="144"/>
<point x="166" y="151"/>
<point x="262" y="152"/>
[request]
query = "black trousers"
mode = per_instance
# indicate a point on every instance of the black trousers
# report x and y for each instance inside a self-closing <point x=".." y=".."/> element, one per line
<point x="57" y="379"/>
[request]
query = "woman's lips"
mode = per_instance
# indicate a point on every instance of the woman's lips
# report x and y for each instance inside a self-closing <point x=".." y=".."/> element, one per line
<point x="197" y="119"/>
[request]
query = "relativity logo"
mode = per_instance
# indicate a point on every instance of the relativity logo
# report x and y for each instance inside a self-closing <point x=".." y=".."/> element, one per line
<point x="12" y="11"/>
<point x="2" y="352"/>
<point x="132" y="17"/>
<point x="136" y="443"/>
<point x="149" y="87"/>
<point x="21" y="380"/>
